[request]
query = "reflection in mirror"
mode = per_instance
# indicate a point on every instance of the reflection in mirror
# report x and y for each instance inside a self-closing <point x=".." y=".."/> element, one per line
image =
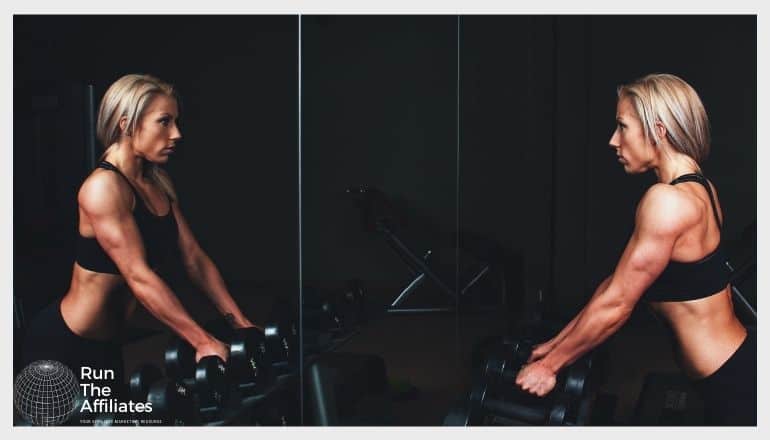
<point x="227" y="139"/>
<point x="379" y="209"/>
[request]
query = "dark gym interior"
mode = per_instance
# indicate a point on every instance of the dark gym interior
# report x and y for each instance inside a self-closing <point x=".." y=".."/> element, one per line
<point x="482" y="140"/>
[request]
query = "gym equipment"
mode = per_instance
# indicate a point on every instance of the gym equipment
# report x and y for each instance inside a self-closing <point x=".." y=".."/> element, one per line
<point x="140" y="381"/>
<point x="211" y="380"/>
<point x="281" y="343"/>
<point x="251" y="368"/>
<point x="337" y="312"/>
<point x="207" y="379"/>
<point x="172" y="403"/>
<point x="339" y="387"/>
<point x="179" y="359"/>
<point x="743" y="268"/>
<point x="378" y="215"/>
<point x="572" y="381"/>
<point x="483" y="404"/>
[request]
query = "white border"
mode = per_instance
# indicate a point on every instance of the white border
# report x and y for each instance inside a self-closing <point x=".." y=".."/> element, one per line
<point x="369" y="7"/>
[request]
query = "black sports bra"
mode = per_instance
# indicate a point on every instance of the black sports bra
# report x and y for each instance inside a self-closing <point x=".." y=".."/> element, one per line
<point x="159" y="235"/>
<point x="692" y="280"/>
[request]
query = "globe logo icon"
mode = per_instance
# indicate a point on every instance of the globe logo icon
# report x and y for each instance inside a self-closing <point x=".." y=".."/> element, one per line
<point x="45" y="393"/>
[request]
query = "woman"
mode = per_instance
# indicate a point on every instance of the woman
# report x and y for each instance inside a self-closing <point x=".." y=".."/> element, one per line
<point x="129" y="223"/>
<point x="674" y="259"/>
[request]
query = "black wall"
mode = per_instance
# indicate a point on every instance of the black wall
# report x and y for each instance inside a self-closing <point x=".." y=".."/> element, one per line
<point x="379" y="108"/>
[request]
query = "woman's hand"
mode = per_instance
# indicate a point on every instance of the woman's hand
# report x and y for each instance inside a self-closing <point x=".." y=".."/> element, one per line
<point x="243" y="322"/>
<point x="536" y="378"/>
<point x="213" y="347"/>
<point x="539" y="351"/>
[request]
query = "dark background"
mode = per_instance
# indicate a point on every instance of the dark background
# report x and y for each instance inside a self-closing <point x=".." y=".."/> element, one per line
<point x="235" y="171"/>
<point x="532" y="171"/>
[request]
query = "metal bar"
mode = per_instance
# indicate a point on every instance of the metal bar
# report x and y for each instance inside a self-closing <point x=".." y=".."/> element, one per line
<point x="408" y="289"/>
<point x="475" y="279"/>
<point x="744" y="302"/>
<point x="322" y="398"/>
<point x="417" y="261"/>
<point x="421" y="310"/>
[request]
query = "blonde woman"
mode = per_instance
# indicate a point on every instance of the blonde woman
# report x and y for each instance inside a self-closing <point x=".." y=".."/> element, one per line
<point x="674" y="259"/>
<point x="129" y="223"/>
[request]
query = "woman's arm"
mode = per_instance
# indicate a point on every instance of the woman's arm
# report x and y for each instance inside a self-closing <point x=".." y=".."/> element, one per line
<point x="205" y="275"/>
<point x="106" y="204"/>
<point x="661" y="217"/>
<point x="543" y="349"/>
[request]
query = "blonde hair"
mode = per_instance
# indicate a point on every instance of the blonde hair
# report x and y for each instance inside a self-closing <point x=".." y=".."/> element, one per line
<point x="129" y="97"/>
<point x="668" y="99"/>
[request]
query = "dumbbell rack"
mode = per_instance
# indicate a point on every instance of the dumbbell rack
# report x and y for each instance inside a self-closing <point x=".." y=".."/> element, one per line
<point x="495" y="400"/>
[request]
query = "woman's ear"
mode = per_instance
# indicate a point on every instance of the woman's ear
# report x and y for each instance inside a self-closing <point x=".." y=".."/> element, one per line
<point x="123" y="122"/>
<point x="660" y="130"/>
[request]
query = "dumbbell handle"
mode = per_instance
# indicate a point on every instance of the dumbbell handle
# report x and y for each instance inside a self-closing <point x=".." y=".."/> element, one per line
<point x="571" y="381"/>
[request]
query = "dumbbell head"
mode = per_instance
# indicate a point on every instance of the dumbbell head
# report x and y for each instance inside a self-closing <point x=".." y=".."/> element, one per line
<point x="281" y="340"/>
<point x="560" y="405"/>
<point x="249" y="360"/>
<point x="211" y="381"/>
<point x="542" y="411"/>
<point x="172" y="403"/>
<point x="575" y="379"/>
<point x="179" y="359"/>
<point x="140" y="381"/>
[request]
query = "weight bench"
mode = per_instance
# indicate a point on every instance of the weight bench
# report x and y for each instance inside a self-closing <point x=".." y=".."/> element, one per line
<point x="379" y="216"/>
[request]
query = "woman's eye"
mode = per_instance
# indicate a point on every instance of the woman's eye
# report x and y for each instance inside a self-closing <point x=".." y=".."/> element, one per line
<point x="164" y="122"/>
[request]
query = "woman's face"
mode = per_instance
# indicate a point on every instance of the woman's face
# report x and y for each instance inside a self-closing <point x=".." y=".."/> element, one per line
<point x="156" y="133"/>
<point x="635" y="153"/>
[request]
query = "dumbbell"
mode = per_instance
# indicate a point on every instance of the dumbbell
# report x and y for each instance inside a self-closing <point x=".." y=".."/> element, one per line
<point x="502" y="373"/>
<point x="251" y="367"/>
<point x="208" y="378"/>
<point x="172" y="403"/>
<point x="141" y="380"/>
<point x="281" y="342"/>
<point x="319" y="312"/>
<point x="555" y="409"/>
<point x="348" y="306"/>
<point x="355" y="295"/>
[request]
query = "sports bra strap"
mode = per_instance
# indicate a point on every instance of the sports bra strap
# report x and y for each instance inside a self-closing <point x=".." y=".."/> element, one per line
<point x="108" y="166"/>
<point x="696" y="177"/>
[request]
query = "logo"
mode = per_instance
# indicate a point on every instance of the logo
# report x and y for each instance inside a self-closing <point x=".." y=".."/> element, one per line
<point x="45" y="393"/>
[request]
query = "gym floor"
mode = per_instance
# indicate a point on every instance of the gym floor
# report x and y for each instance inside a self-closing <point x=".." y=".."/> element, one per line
<point x="432" y="353"/>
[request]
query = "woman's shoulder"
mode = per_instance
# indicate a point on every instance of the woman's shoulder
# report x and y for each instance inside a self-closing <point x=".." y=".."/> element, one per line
<point x="664" y="207"/>
<point x="104" y="189"/>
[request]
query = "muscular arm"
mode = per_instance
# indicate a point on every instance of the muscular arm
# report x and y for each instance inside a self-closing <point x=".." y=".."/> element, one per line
<point x="205" y="275"/>
<point x="546" y="347"/>
<point x="106" y="204"/>
<point x="660" y="219"/>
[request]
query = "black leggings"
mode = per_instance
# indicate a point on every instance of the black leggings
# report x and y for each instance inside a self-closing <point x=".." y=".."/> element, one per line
<point x="730" y="393"/>
<point x="49" y="338"/>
